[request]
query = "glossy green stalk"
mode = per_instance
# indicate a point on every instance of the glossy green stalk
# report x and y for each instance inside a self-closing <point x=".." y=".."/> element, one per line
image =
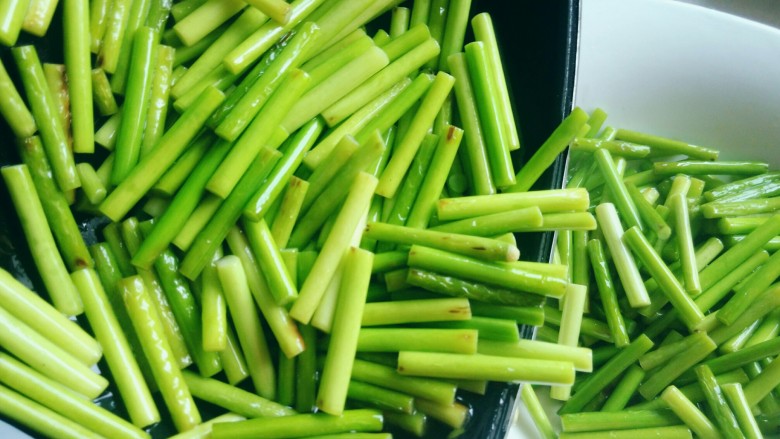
<point x="573" y="221"/>
<point x="102" y="94"/>
<point x="43" y="355"/>
<point x="607" y="373"/>
<point x="462" y="341"/>
<point x="203" y="431"/>
<point x="168" y="227"/>
<point x="245" y="317"/>
<point x="434" y="181"/>
<point x="622" y="149"/>
<point x="537" y="412"/>
<point x="740" y="252"/>
<point x="700" y="347"/>
<point x="724" y="417"/>
<point x="517" y="220"/>
<point x="278" y="10"/>
<point x="386" y="376"/>
<point x="44" y="111"/>
<point x="649" y="215"/>
<point x="289" y="211"/>
<point x="343" y="342"/>
<point x="39" y="16"/>
<point x="665" y="146"/>
<point x="689" y="413"/>
<point x="55" y="206"/>
<point x="692" y="167"/>
<point x="57" y="81"/>
<point x="279" y="280"/>
<point x="186" y="311"/>
<point x="476" y="150"/>
<point x="404" y="200"/>
<point x="590" y="326"/>
<point x="335" y="86"/>
<point x="228" y="213"/>
<point x="13" y="108"/>
<point x="579" y="356"/>
<point x="174" y="178"/>
<point x="113" y="36"/>
<point x="185" y="54"/>
<point x="682" y="221"/>
<point x="718" y="209"/>
<point x="491" y="114"/>
<point x="618" y="191"/>
<point x="257" y="134"/>
<point x="303" y="425"/>
<point x="98" y="20"/>
<point x="625" y="264"/>
<point x="337" y="23"/>
<point x="411" y="311"/>
<point x="269" y="191"/>
<point x="234" y="399"/>
<point x="381" y="81"/>
<point x="741" y="408"/>
<point x="125" y="370"/>
<point x="482" y="25"/>
<point x="206" y="18"/>
<point x="40" y="418"/>
<point x="169" y="148"/>
<point x="105" y="136"/>
<point x="131" y="128"/>
<point x="357" y="121"/>
<point x="259" y="40"/>
<point x="211" y="58"/>
<point x="761" y="385"/>
<point x="711" y="296"/>
<point x="624" y="390"/>
<point x="185" y="7"/>
<point x="763" y="185"/>
<point x="12" y="13"/>
<point x="269" y="87"/>
<point x="690" y="314"/>
<point x="548" y="201"/>
<point x="168" y="377"/>
<point x="40" y="240"/>
<point x="607" y="292"/>
<point x="42" y="317"/>
<point x="325" y="63"/>
<point x="406" y="148"/>
<point x="762" y="305"/>
<point x="621" y="420"/>
<point x="283" y="327"/>
<point x="158" y="99"/>
<point x="462" y="366"/>
<point x="380" y="397"/>
<point x="78" y="66"/>
<point x="549" y="150"/>
<point x="285" y="386"/>
<point x="132" y="237"/>
<point x="327" y="202"/>
<point x="569" y="328"/>
<point x="336" y="244"/>
<point x="493" y="273"/>
<point x="64" y="401"/>
<point x="214" y="309"/>
<point x="136" y="17"/>
<point x="456" y="287"/>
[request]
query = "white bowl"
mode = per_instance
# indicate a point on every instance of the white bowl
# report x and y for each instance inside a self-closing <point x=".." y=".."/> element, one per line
<point x="681" y="71"/>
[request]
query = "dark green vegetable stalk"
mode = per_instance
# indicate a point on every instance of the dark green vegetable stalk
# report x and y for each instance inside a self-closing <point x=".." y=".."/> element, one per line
<point x="45" y="113"/>
<point x="58" y="214"/>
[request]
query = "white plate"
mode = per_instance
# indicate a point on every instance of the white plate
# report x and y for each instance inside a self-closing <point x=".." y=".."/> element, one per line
<point x="681" y="71"/>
